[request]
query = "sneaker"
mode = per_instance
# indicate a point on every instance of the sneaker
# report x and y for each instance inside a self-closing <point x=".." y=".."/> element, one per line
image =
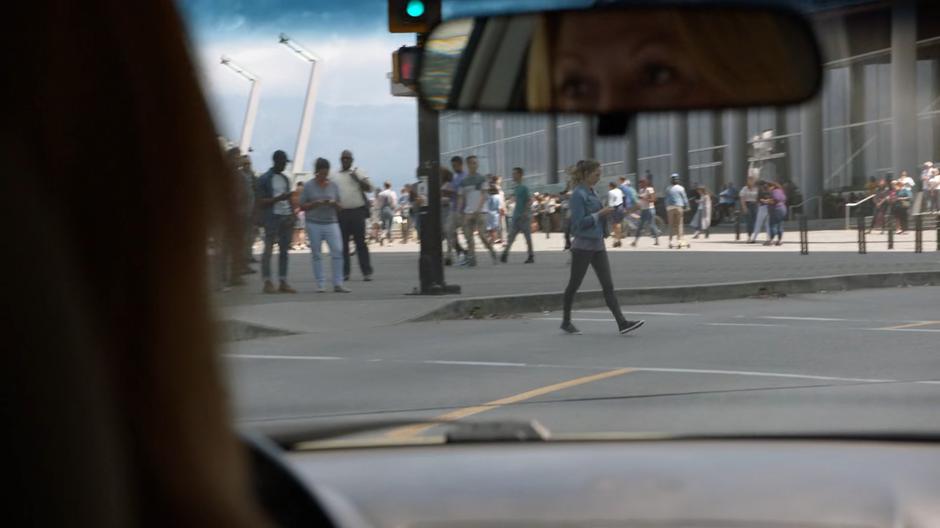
<point x="504" y="258"/>
<point x="268" y="287"/>
<point x="530" y="260"/>
<point x="321" y="289"/>
<point x="285" y="288"/>
<point x="367" y="278"/>
<point x="341" y="289"/>
<point x="633" y="244"/>
<point x="569" y="328"/>
<point x="629" y="326"/>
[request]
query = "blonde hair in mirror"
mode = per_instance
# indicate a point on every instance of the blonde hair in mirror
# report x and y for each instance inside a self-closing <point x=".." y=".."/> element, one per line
<point x="579" y="172"/>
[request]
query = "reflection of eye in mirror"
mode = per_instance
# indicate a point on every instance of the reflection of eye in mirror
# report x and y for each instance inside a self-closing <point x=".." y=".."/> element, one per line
<point x="622" y="59"/>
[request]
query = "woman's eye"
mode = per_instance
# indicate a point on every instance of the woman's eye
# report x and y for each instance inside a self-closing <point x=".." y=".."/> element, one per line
<point x="578" y="88"/>
<point x="657" y="74"/>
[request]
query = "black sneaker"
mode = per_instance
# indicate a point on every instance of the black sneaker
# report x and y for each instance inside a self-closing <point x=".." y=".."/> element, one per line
<point x="569" y="328"/>
<point x="629" y="326"/>
<point x="530" y="260"/>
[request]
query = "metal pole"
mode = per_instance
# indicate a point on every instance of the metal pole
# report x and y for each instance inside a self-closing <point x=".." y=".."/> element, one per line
<point x="919" y="234"/>
<point x="804" y="235"/>
<point x="303" y="135"/>
<point x="737" y="225"/>
<point x="890" y="222"/>
<point x="551" y="149"/>
<point x="251" y="114"/>
<point x="862" y="249"/>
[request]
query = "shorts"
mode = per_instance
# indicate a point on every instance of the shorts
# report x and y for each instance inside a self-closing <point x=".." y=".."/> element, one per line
<point x="492" y="222"/>
<point x="616" y="216"/>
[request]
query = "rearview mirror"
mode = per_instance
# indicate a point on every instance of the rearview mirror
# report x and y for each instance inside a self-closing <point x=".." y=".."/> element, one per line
<point x="621" y="59"/>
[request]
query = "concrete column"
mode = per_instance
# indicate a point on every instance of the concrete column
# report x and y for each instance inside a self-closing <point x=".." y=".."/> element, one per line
<point x="904" y="86"/>
<point x="630" y="162"/>
<point x="857" y="136"/>
<point x="679" y="144"/>
<point x="735" y="154"/>
<point x="587" y="137"/>
<point x="811" y="166"/>
<point x="551" y="149"/>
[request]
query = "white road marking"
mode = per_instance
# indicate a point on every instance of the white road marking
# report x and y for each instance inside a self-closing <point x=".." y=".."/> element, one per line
<point x="790" y="318"/>
<point x="641" y="313"/>
<point x="584" y="367"/>
<point x="742" y="324"/>
<point x="272" y="356"/>
<point x="761" y="374"/>
<point x="475" y="363"/>
<point x="925" y="330"/>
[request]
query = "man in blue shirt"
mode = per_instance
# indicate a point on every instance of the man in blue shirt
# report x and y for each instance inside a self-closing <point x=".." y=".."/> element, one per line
<point x="274" y="192"/>
<point x="677" y="203"/>
<point x="727" y="199"/>
<point x="521" y="221"/>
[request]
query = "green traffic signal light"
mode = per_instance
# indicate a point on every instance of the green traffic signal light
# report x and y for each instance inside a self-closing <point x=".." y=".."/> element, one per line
<point x="415" y="8"/>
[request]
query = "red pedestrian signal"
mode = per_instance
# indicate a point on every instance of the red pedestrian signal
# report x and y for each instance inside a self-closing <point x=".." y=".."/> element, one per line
<point x="405" y="65"/>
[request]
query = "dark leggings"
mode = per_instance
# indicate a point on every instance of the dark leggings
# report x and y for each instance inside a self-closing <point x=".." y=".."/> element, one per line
<point x="580" y="260"/>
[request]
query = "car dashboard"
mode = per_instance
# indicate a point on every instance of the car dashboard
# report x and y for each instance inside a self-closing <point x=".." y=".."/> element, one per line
<point x="674" y="483"/>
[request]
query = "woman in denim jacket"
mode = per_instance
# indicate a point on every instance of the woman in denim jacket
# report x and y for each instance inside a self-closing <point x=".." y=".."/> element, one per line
<point x="588" y="221"/>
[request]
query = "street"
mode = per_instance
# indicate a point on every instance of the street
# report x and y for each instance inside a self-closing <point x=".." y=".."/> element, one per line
<point x="864" y="360"/>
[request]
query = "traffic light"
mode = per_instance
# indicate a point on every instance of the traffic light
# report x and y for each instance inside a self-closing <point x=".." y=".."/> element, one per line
<point x="405" y="65"/>
<point x="413" y="16"/>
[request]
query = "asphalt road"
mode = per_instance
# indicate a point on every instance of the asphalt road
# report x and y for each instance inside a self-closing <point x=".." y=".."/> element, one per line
<point x="865" y="360"/>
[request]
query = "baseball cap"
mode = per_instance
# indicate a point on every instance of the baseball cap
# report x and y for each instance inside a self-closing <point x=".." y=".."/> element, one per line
<point x="280" y="155"/>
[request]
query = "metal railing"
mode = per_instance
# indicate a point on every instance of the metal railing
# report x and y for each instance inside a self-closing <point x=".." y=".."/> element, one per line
<point x="849" y="206"/>
<point x="819" y="207"/>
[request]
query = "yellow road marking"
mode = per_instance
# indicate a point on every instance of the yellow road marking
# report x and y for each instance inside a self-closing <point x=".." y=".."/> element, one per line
<point x="414" y="430"/>
<point x="911" y="325"/>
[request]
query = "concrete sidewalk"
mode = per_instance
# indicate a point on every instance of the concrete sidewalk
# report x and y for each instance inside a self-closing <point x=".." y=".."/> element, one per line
<point x="715" y="260"/>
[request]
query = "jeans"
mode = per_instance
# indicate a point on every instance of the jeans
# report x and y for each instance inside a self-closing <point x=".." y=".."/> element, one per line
<point x="524" y="226"/>
<point x="751" y="217"/>
<point x="580" y="260"/>
<point x="317" y="234"/>
<point x="352" y="223"/>
<point x="647" y="217"/>
<point x="471" y="223"/>
<point x="776" y="223"/>
<point x="387" y="218"/>
<point x="279" y="229"/>
<point x="675" y="215"/>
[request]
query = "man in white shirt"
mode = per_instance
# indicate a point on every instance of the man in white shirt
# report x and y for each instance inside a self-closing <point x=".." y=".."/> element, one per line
<point x="933" y="190"/>
<point x="354" y="211"/>
<point x="615" y="202"/>
<point x="472" y="196"/>
<point x="387" y="203"/>
<point x="906" y="181"/>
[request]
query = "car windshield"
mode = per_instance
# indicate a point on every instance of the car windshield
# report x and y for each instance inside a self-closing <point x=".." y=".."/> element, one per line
<point x="734" y="271"/>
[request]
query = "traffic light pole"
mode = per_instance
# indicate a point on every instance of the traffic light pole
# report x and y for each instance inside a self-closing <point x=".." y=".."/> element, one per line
<point x="431" y="260"/>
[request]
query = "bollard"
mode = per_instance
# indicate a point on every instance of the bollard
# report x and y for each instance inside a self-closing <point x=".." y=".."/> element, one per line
<point x="862" y="249"/>
<point x="889" y="219"/>
<point x="937" y="224"/>
<point x="737" y="225"/>
<point x="919" y="234"/>
<point x="804" y="236"/>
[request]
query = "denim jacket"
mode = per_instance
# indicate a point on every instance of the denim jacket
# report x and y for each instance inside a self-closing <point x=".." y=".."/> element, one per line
<point x="584" y="205"/>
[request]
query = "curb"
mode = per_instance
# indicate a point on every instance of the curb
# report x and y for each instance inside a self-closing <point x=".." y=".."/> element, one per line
<point x="482" y="307"/>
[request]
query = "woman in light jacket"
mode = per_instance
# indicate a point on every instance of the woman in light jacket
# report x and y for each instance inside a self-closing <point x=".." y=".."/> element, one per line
<point x="588" y="221"/>
<point x="702" y="221"/>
